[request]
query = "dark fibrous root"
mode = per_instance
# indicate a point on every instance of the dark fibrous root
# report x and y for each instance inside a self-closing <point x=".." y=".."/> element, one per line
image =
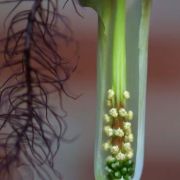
<point x="30" y="128"/>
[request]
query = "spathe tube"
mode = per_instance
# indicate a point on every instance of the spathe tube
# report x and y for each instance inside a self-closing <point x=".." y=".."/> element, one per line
<point x="134" y="63"/>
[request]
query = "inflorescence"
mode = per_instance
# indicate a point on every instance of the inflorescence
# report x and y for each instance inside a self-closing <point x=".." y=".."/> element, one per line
<point x="118" y="130"/>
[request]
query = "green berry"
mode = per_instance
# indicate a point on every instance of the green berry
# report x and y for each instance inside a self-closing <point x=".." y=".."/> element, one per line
<point x="120" y="164"/>
<point x="127" y="177"/>
<point x="110" y="176"/>
<point x="117" y="174"/>
<point x="124" y="170"/>
<point x="130" y="171"/>
<point x="129" y="163"/>
<point x="108" y="170"/>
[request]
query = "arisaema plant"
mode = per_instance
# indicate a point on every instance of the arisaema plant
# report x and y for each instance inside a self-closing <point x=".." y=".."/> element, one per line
<point x="122" y="70"/>
<point x="31" y="129"/>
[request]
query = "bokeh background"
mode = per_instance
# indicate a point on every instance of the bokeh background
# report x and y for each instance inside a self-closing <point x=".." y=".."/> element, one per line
<point x="162" y="144"/>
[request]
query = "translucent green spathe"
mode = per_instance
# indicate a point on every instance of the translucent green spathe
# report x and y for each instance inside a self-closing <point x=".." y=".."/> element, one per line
<point x="133" y="66"/>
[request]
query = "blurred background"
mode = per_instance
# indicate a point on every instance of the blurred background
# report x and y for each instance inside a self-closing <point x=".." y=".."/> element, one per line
<point x="162" y="144"/>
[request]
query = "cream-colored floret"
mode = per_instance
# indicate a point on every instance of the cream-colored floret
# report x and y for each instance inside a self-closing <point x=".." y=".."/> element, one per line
<point x="120" y="156"/>
<point x="113" y="112"/>
<point x="109" y="103"/>
<point x="127" y="146"/>
<point x="127" y="125"/>
<point x="111" y="93"/>
<point x="107" y="118"/>
<point x="129" y="115"/>
<point x="130" y="154"/>
<point x="119" y="132"/>
<point x="122" y="112"/>
<point x="110" y="159"/>
<point x="106" y="146"/>
<point x="108" y="131"/>
<point x="114" y="149"/>
<point x="129" y="138"/>
<point x="126" y="94"/>
<point x="128" y="131"/>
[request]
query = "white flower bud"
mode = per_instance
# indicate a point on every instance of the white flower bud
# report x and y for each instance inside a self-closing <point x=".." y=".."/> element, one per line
<point x="128" y="131"/>
<point x="129" y="138"/>
<point x="111" y="93"/>
<point x="119" y="132"/>
<point x="107" y="118"/>
<point x="113" y="112"/>
<point x="109" y="103"/>
<point x="120" y="156"/>
<point x="130" y="155"/>
<point x="127" y="147"/>
<point x="106" y="146"/>
<point x="108" y="131"/>
<point x="122" y="112"/>
<point x="110" y="159"/>
<point x="130" y="115"/>
<point x="126" y="94"/>
<point x="114" y="149"/>
<point x="127" y="125"/>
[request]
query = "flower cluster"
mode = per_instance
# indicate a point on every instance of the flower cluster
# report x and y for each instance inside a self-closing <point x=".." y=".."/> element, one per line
<point x="118" y="132"/>
<point x="119" y="170"/>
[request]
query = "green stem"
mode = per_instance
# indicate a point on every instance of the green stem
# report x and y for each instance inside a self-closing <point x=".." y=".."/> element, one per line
<point x="119" y="50"/>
